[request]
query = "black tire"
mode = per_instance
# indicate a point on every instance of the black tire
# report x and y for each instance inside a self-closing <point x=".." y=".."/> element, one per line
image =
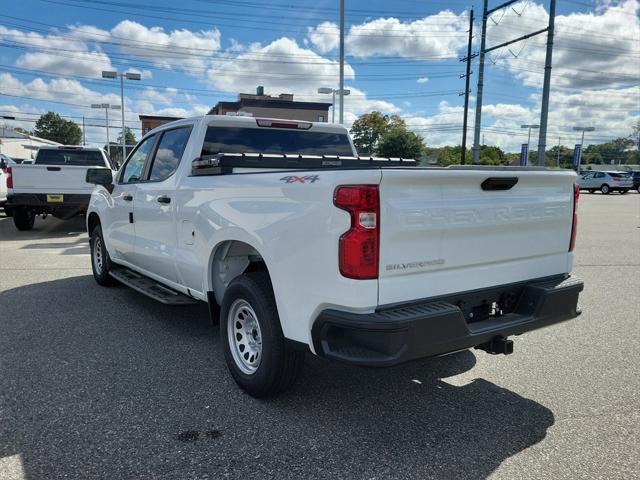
<point x="23" y="218"/>
<point x="100" y="261"/>
<point x="605" y="189"/>
<point x="638" y="188"/>
<point x="279" y="364"/>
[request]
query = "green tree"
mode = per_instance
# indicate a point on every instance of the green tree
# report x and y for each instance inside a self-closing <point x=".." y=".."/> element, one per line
<point x="53" y="127"/>
<point x="397" y="141"/>
<point x="491" y="155"/>
<point x="367" y="130"/>
<point x="129" y="137"/>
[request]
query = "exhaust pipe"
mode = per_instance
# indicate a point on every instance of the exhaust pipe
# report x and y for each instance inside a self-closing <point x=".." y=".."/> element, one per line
<point x="497" y="345"/>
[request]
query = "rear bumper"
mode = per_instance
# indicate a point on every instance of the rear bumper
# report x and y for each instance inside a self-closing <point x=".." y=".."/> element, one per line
<point x="400" y="333"/>
<point x="38" y="202"/>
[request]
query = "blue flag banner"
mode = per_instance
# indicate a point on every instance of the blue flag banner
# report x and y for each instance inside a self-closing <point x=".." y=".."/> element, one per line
<point x="577" y="156"/>
<point x="524" y="154"/>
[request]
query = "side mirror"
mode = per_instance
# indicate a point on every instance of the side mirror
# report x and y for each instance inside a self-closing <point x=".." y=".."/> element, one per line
<point x="100" y="176"/>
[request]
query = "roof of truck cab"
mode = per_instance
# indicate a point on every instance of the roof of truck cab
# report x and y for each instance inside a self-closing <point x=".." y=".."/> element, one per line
<point x="250" y="122"/>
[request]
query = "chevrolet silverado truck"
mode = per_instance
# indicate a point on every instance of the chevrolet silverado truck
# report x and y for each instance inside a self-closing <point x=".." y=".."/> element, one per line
<point x="298" y="245"/>
<point x="54" y="184"/>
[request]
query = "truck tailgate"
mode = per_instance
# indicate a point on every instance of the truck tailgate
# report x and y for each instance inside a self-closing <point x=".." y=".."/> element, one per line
<point x="53" y="179"/>
<point x="441" y="232"/>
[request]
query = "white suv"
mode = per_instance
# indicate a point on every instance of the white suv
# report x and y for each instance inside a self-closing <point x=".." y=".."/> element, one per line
<point x="606" y="182"/>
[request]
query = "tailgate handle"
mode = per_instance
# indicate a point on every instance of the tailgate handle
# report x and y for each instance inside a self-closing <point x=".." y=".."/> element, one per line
<point x="499" y="183"/>
<point x="53" y="169"/>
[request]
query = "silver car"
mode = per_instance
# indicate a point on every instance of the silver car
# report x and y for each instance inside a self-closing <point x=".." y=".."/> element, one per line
<point x="606" y="182"/>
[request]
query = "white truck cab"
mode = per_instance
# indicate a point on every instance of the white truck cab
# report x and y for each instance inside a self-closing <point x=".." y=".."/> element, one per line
<point x="299" y="246"/>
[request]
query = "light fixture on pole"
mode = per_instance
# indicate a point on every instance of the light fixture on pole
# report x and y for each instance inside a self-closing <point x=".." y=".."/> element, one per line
<point x="106" y="107"/>
<point x="530" y="127"/>
<point x="583" y="129"/>
<point x="333" y="91"/>
<point x="128" y="76"/>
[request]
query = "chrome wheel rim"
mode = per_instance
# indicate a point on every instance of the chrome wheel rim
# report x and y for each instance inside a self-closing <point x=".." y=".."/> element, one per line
<point x="97" y="255"/>
<point x="605" y="189"/>
<point x="244" y="336"/>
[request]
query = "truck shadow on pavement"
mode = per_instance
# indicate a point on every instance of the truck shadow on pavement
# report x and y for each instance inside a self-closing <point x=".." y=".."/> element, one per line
<point x="104" y="383"/>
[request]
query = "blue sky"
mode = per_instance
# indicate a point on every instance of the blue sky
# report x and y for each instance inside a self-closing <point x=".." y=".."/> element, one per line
<point x="402" y="57"/>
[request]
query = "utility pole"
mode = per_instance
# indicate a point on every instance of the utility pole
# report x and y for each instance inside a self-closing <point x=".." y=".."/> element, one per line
<point x="476" y="130"/>
<point x="341" y="61"/>
<point x="547" y="75"/>
<point x="466" y="91"/>
<point x="544" y="113"/>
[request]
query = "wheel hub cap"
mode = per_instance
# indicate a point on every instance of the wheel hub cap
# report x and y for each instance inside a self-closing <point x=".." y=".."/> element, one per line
<point x="97" y="255"/>
<point x="244" y="336"/>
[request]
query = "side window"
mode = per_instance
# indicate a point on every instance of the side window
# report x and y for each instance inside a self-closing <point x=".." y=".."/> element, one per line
<point x="599" y="175"/>
<point x="169" y="152"/>
<point x="132" y="171"/>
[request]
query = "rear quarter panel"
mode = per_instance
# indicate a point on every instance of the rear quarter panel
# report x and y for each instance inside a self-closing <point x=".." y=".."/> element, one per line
<point x="294" y="226"/>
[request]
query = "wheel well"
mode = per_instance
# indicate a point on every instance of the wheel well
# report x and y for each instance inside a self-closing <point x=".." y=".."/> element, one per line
<point x="231" y="259"/>
<point x="92" y="222"/>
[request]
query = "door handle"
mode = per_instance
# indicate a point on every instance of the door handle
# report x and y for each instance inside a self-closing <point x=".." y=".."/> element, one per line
<point x="164" y="199"/>
<point x="127" y="198"/>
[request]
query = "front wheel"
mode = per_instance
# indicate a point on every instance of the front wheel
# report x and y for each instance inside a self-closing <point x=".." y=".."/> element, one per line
<point x="23" y="218"/>
<point x="100" y="261"/>
<point x="255" y="349"/>
<point x="605" y="189"/>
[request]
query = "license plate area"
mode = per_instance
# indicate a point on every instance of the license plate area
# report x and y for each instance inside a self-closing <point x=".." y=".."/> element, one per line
<point x="55" y="198"/>
<point x="494" y="303"/>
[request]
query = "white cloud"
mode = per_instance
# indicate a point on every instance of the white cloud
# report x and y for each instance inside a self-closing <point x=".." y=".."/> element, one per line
<point x="281" y="66"/>
<point x="325" y="37"/>
<point x="67" y="55"/>
<point x="436" y="36"/>
<point x="183" y="48"/>
<point x="423" y="80"/>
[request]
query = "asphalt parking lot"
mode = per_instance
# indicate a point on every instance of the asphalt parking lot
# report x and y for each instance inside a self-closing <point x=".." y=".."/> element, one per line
<point x="105" y="383"/>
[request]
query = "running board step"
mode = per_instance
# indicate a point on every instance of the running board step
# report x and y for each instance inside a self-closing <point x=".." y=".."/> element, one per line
<point x="150" y="287"/>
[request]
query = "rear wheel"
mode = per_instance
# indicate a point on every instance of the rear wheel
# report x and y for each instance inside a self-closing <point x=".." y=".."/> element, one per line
<point x="23" y="218"/>
<point x="255" y="349"/>
<point x="605" y="189"/>
<point x="100" y="261"/>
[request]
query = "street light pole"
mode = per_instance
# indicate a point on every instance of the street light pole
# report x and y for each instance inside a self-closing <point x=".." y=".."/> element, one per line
<point x="124" y="139"/>
<point x="128" y="76"/>
<point x="333" y="106"/>
<point x="529" y="126"/>
<point x="106" y="107"/>
<point x="341" y="61"/>
<point x="582" y="129"/>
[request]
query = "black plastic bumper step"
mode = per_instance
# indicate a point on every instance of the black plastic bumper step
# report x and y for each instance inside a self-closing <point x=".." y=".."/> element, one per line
<point x="151" y="288"/>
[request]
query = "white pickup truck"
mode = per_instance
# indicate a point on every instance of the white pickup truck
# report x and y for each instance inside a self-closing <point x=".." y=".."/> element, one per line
<point x="53" y="184"/>
<point x="307" y="248"/>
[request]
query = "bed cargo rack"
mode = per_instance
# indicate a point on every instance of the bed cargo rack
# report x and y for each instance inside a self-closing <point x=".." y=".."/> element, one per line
<point x="224" y="163"/>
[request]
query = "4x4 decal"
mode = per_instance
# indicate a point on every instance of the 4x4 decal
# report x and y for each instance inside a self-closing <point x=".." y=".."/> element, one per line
<point x="304" y="179"/>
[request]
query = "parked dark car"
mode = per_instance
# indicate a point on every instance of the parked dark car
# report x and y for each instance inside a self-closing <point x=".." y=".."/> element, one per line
<point x="635" y="175"/>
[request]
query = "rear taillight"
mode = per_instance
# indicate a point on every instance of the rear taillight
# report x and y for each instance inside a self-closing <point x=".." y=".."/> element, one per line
<point x="574" y="224"/>
<point x="358" y="253"/>
<point x="9" y="178"/>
